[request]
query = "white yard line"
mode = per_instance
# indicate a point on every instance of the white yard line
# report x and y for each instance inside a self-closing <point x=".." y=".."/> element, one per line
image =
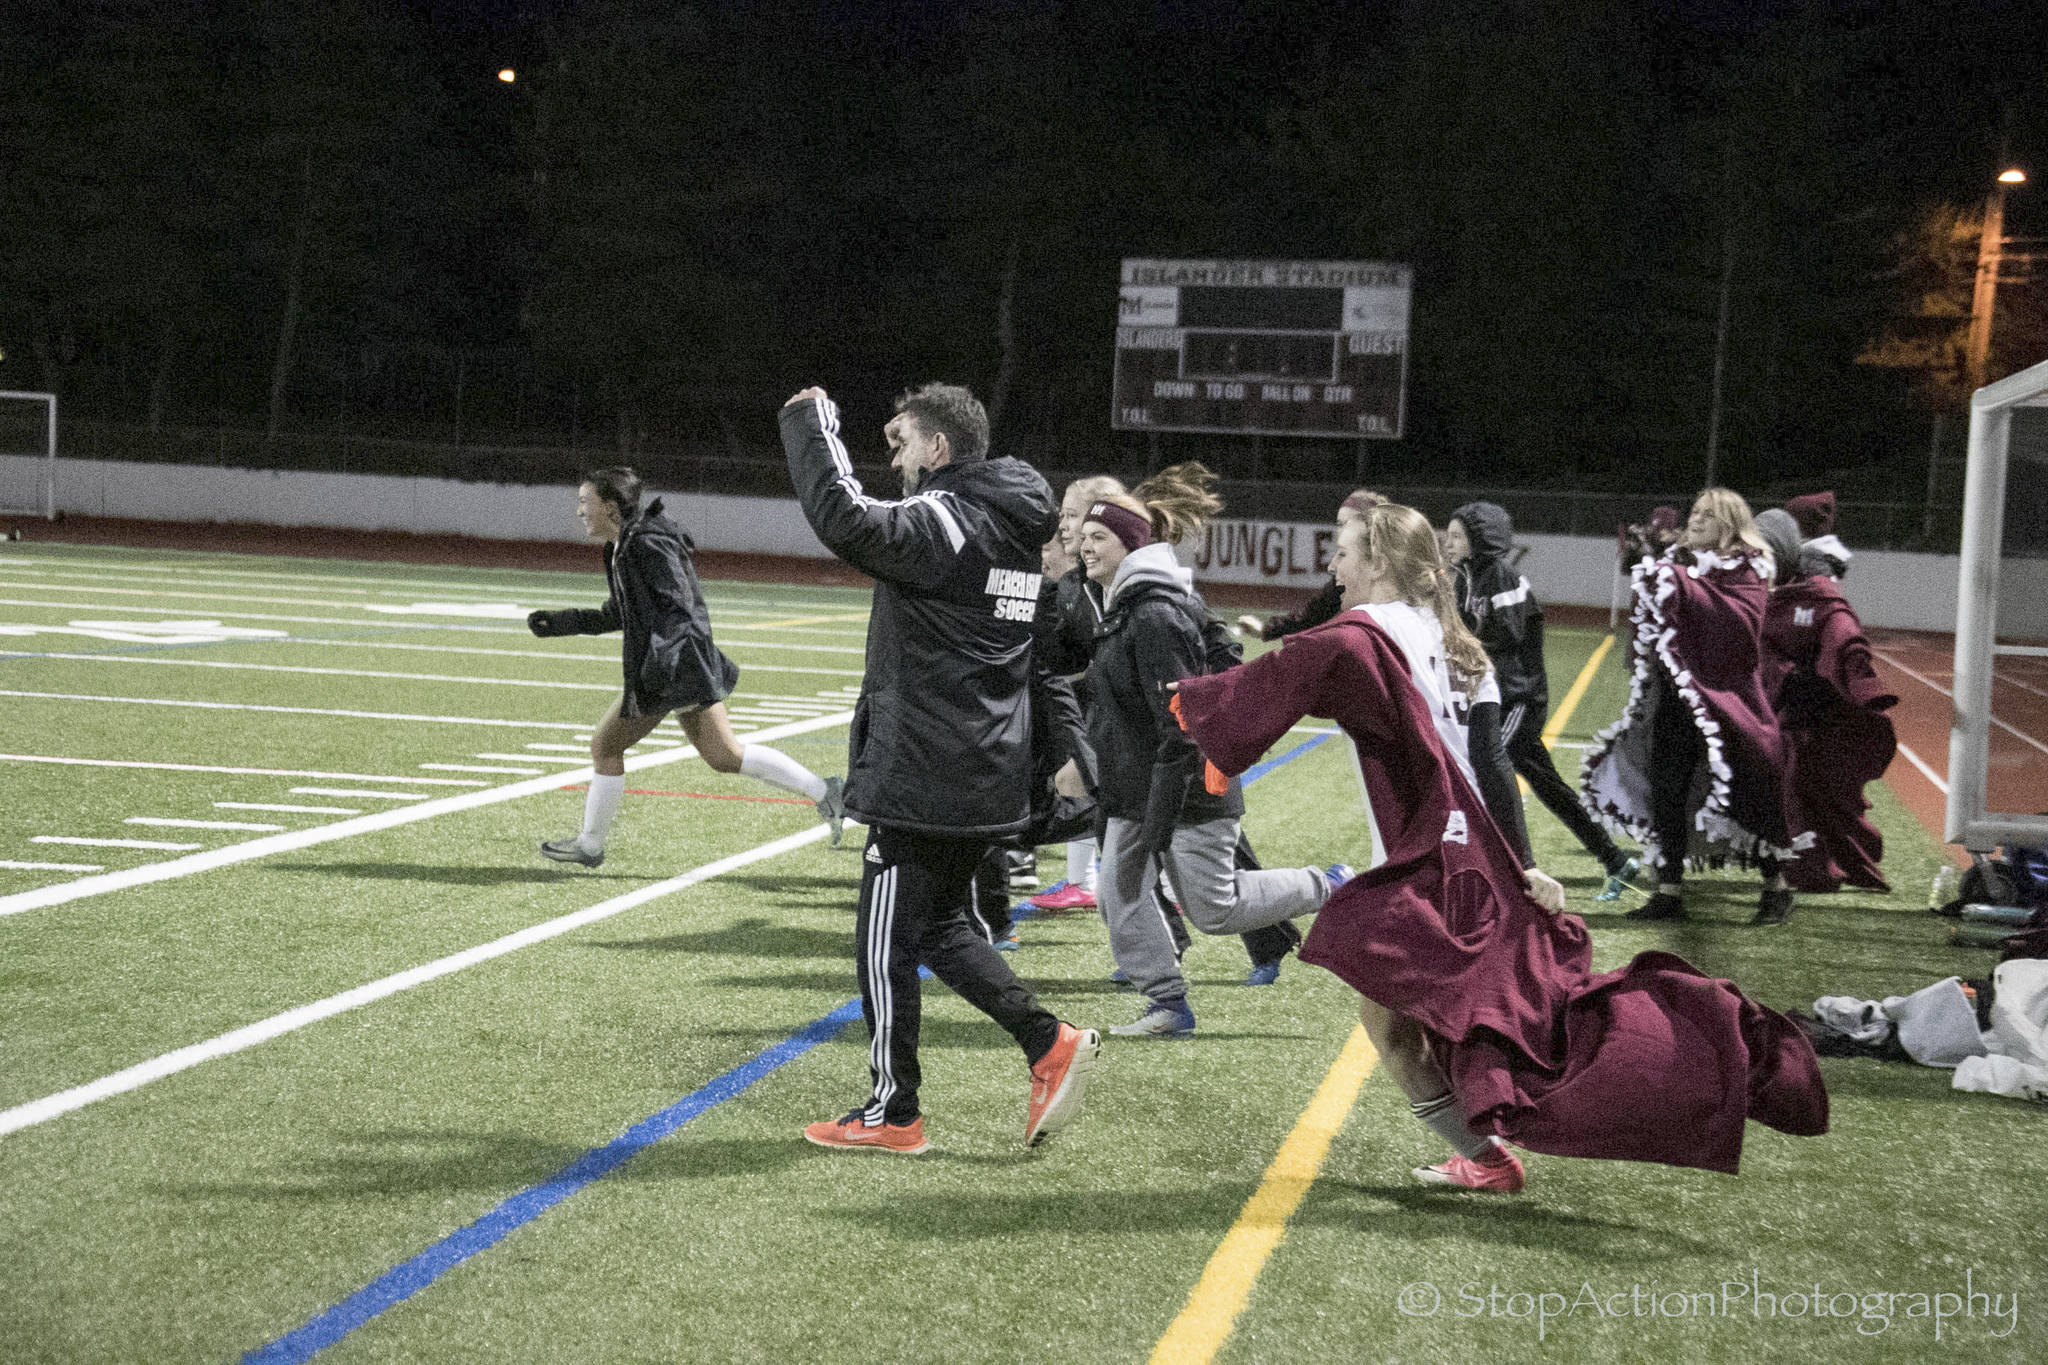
<point x="715" y="596"/>
<point x="165" y="822"/>
<point x="305" y="711"/>
<point x="573" y="652"/>
<point x="157" y="845"/>
<point x="309" y="670"/>
<point x="1922" y="677"/>
<point x="478" y="768"/>
<point x="1925" y="771"/>
<point x="288" y="810"/>
<point x="14" y="866"/>
<point x="382" y="623"/>
<point x="354" y="791"/>
<point x="536" y="758"/>
<point x="184" y="1058"/>
<point x="362" y="824"/>
<point x="241" y="772"/>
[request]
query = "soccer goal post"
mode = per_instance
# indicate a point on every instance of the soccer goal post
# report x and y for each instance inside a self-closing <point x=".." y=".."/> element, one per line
<point x="28" y="454"/>
<point x="1998" y="737"/>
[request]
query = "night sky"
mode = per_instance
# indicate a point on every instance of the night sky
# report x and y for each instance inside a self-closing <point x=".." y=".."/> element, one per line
<point x="318" y="217"/>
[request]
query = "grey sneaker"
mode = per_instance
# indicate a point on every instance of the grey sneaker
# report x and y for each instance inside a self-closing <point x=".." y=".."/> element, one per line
<point x="570" y="851"/>
<point x="1172" y="1019"/>
<point x="832" y="807"/>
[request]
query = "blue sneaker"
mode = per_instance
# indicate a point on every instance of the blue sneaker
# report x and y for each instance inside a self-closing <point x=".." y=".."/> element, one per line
<point x="1336" y="874"/>
<point x="1264" y="973"/>
<point x="1619" y="880"/>
<point x="1007" y="943"/>
<point x="1170" y="1019"/>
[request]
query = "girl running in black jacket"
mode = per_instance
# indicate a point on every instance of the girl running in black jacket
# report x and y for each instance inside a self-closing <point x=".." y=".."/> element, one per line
<point x="670" y="662"/>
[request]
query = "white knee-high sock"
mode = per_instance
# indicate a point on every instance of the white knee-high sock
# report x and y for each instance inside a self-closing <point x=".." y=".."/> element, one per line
<point x="599" y="807"/>
<point x="1081" y="863"/>
<point x="1446" y="1118"/>
<point x="778" y="769"/>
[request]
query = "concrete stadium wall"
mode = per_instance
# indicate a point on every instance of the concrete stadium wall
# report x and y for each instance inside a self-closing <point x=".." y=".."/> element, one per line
<point x="1888" y="588"/>
<point x="380" y="502"/>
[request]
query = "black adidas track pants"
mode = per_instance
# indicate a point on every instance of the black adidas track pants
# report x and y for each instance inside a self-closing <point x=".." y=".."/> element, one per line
<point x="915" y="894"/>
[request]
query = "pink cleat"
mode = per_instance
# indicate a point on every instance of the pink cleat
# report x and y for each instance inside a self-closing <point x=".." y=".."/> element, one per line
<point x="1497" y="1171"/>
<point x="1062" y="898"/>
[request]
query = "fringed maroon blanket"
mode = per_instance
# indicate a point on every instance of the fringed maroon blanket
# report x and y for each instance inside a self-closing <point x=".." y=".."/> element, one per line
<point x="1654" y="1062"/>
<point x="1701" y="626"/>
<point x="1831" y="709"/>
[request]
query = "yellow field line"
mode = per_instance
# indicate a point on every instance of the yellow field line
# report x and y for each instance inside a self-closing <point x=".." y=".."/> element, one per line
<point x="1213" y="1305"/>
<point x="793" y="621"/>
<point x="1562" y="716"/>
<point x="1220" y="1295"/>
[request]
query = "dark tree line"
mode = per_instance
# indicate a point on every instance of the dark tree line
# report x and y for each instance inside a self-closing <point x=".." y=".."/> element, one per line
<point x="326" y="214"/>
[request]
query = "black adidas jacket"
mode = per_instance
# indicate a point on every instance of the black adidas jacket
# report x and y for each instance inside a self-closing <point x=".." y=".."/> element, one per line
<point x="1495" y="600"/>
<point x="941" y="740"/>
<point x="670" y="662"/>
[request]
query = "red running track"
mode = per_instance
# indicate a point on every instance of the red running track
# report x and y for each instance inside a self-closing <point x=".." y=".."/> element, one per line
<point x="1919" y="666"/>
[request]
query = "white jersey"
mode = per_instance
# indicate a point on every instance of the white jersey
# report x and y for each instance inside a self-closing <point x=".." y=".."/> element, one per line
<point x="1421" y="638"/>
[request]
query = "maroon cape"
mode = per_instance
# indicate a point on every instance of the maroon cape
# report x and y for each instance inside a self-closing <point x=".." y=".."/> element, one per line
<point x="1831" y="709"/>
<point x="1654" y="1062"/>
<point x="1702" y="626"/>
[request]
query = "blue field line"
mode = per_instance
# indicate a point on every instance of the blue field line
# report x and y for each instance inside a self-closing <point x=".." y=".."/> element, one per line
<point x="401" y="1282"/>
<point x="1259" y="770"/>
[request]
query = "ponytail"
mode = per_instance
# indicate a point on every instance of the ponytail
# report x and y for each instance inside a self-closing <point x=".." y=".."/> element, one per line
<point x="1178" y="500"/>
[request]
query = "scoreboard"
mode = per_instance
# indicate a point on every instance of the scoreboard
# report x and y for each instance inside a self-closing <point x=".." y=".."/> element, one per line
<point x="1271" y="348"/>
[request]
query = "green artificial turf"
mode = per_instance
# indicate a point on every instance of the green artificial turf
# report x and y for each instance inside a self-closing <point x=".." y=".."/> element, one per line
<point x="208" y="1212"/>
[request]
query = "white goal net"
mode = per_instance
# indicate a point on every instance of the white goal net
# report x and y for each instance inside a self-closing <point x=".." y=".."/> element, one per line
<point x="28" y="454"/>
<point x="1998" y="740"/>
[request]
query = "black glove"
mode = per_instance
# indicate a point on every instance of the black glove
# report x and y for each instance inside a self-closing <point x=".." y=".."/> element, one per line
<point x="1163" y="807"/>
<point x="543" y="624"/>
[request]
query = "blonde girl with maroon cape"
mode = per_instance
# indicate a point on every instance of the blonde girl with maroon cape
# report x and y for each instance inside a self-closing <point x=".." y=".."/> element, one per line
<point x="1483" y="1001"/>
<point x="1695" y="766"/>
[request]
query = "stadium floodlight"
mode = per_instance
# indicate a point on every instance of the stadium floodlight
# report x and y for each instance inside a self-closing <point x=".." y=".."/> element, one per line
<point x="1970" y="820"/>
<point x="28" y="454"/>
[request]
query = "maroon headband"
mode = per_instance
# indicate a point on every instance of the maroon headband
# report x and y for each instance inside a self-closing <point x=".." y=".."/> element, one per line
<point x="1121" y="522"/>
<point x="1360" y="502"/>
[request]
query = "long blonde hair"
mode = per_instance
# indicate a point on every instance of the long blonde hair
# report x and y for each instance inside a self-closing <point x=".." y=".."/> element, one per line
<point x="1176" y="500"/>
<point x="1401" y="546"/>
<point x="1730" y="511"/>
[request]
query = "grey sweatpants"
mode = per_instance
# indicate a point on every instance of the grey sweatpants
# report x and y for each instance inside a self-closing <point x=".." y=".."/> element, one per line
<point x="1139" y="938"/>
<point x="1215" y="896"/>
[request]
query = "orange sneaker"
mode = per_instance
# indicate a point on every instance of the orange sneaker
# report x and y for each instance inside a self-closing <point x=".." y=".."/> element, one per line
<point x="904" y="1139"/>
<point x="1497" y="1171"/>
<point x="1058" y="1080"/>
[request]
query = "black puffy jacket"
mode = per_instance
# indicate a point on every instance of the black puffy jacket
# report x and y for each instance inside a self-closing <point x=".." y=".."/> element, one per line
<point x="1497" y="606"/>
<point x="1069" y="610"/>
<point x="941" y="739"/>
<point x="1147" y="769"/>
<point x="670" y="662"/>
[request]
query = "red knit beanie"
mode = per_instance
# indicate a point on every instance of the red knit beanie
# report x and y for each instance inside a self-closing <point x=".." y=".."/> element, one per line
<point x="1815" y="513"/>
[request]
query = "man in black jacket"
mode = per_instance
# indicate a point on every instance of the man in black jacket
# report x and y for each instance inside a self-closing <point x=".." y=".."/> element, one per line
<point x="940" y="751"/>
<point x="1495" y="601"/>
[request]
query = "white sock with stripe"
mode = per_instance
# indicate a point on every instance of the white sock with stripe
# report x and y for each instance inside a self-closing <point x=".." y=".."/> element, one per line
<point x="598" y="809"/>
<point x="1443" y="1117"/>
<point x="778" y="769"/>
